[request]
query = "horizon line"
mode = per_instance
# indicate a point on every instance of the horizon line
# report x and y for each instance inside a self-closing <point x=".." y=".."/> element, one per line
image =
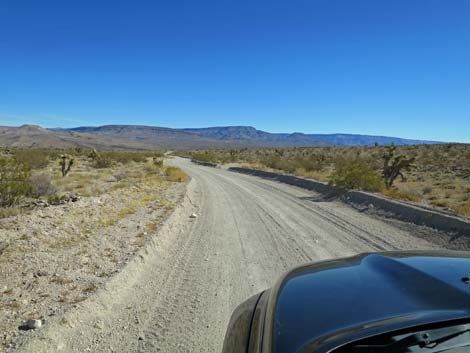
<point x="236" y="126"/>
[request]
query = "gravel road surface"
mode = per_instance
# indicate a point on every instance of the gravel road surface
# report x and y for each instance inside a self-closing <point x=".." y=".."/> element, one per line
<point x="178" y="294"/>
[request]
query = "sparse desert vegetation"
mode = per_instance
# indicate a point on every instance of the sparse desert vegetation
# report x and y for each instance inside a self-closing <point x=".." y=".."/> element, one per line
<point x="436" y="175"/>
<point x="70" y="226"/>
<point x="28" y="176"/>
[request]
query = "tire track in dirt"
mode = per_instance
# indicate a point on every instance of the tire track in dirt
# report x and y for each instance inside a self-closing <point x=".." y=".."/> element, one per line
<point x="180" y="292"/>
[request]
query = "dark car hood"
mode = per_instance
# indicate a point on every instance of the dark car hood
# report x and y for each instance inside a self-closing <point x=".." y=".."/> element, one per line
<point x="342" y="300"/>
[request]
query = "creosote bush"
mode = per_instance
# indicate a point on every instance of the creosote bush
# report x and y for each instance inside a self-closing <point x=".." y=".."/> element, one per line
<point x="32" y="158"/>
<point x="356" y="174"/>
<point x="276" y="162"/>
<point x="206" y="156"/>
<point x="14" y="182"/>
<point x="102" y="161"/>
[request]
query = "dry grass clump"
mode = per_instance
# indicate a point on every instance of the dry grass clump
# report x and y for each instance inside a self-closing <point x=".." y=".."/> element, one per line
<point x="90" y="288"/>
<point x="10" y="211"/>
<point x="463" y="208"/>
<point x="42" y="185"/>
<point x="402" y="195"/>
<point x="175" y="174"/>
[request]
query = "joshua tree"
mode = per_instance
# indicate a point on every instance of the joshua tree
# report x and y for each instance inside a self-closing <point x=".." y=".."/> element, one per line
<point x="233" y="155"/>
<point x="93" y="154"/>
<point x="157" y="162"/>
<point x="394" y="165"/>
<point x="66" y="162"/>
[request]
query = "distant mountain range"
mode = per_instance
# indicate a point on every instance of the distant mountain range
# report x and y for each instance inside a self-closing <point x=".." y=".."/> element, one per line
<point x="152" y="137"/>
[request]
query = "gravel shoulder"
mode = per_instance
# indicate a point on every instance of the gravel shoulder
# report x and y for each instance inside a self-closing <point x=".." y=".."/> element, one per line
<point x="178" y="291"/>
<point x="54" y="258"/>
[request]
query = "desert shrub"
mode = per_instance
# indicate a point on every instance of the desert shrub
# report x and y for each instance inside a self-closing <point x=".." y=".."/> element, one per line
<point x="427" y="190"/>
<point x="125" y="157"/>
<point x="32" y="158"/>
<point x="41" y="185"/>
<point x="276" y="162"/>
<point x="309" y="164"/>
<point x="356" y="174"/>
<point x="105" y="159"/>
<point x="14" y="182"/>
<point x="55" y="199"/>
<point x="175" y="174"/>
<point x="123" y="175"/>
<point x="207" y="156"/>
<point x="102" y="161"/>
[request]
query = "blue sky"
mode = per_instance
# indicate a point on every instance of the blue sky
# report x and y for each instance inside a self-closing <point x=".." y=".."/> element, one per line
<point x="397" y="68"/>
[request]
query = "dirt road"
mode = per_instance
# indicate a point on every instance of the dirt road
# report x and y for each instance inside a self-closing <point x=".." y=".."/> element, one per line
<point x="178" y="295"/>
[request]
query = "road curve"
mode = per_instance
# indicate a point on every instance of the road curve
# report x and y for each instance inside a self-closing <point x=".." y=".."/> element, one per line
<point x="179" y="296"/>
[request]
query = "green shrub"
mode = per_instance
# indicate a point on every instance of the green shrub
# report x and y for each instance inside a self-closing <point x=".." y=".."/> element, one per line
<point x="207" y="156"/>
<point x="356" y="174"/>
<point x="309" y="164"/>
<point x="102" y="161"/>
<point x="14" y="182"/>
<point x="32" y="158"/>
<point x="427" y="190"/>
<point x="276" y="162"/>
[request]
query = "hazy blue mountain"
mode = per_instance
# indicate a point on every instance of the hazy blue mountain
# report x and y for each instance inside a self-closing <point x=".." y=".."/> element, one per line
<point x="141" y="137"/>
<point x="247" y="133"/>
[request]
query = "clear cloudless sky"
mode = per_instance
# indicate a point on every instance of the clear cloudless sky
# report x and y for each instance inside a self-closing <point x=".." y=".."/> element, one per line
<point x="396" y="68"/>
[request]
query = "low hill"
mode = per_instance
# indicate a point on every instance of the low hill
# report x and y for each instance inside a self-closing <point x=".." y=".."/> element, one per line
<point x="36" y="136"/>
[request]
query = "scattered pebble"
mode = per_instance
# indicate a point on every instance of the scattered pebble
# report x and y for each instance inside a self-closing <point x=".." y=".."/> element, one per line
<point x="34" y="324"/>
<point x="193" y="215"/>
<point x="99" y="325"/>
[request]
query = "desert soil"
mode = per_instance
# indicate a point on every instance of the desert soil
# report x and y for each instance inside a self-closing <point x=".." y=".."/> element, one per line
<point x="53" y="258"/>
<point x="178" y="291"/>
